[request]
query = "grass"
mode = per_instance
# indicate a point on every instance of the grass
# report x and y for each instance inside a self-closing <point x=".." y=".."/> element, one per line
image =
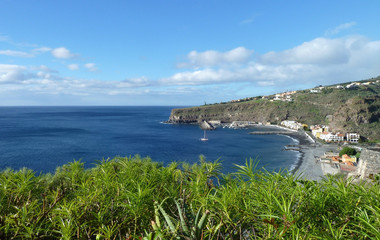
<point x="136" y="198"/>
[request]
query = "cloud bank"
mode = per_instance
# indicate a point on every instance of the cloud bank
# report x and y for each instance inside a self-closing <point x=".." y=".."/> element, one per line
<point x="15" y="53"/>
<point x="322" y="60"/>
<point x="212" y="58"/>
<point x="318" y="61"/>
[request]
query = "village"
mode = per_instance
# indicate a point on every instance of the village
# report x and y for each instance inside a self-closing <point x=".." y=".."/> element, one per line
<point x="334" y="160"/>
<point x="343" y="153"/>
<point x="287" y="96"/>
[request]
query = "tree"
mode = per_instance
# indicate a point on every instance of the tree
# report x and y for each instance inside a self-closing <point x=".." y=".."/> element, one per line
<point x="347" y="150"/>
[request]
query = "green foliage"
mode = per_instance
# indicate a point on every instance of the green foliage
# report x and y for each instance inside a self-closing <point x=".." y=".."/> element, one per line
<point x="327" y="90"/>
<point x="347" y="150"/>
<point x="136" y="198"/>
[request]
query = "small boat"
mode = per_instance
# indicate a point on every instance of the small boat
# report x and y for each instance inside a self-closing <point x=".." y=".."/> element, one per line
<point x="204" y="136"/>
<point x="205" y="126"/>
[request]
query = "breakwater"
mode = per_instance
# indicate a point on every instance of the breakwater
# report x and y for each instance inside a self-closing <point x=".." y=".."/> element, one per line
<point x="269" y="132"/>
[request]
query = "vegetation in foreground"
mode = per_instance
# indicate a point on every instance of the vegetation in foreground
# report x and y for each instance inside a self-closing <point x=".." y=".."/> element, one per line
<point x="136" y="198"/>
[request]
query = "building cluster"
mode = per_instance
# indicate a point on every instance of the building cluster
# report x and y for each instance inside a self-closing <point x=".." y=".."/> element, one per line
<point x="317" y="89"/>
<point x="243" y="99"/>
<point x="292" y="124"/>
<point x="352" y="85"/>
<point x="356" y="84"/>
<point x="323" y="133"/>
<point x="334" y="158"/>
<point x="285" y="96"/>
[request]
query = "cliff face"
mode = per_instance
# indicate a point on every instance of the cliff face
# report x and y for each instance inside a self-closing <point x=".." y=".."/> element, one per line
<point x="359" y="114"/>
<point x="344" y="110"/>
<point x="255" y="111"/>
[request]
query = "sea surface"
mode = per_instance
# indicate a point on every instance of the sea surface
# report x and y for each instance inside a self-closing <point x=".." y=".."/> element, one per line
<point x="43" y="138"/>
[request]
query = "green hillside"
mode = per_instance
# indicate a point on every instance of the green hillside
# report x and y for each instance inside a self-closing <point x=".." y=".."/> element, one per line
<point x="355" y="109"/>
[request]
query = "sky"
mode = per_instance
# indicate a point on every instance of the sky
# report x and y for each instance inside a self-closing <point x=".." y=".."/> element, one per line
<point x="180" y="52"/>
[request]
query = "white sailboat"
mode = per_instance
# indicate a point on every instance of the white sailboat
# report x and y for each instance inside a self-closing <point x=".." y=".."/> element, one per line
<point x="204" y="136"/>
<point x="205" y="126"/>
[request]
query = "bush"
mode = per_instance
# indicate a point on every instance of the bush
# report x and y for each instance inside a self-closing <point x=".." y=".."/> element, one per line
<point x="347" y="150"/>
<point x="136" y="198"/>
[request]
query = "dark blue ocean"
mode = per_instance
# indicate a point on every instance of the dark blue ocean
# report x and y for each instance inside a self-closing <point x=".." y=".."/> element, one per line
<point x="42" y="138"/>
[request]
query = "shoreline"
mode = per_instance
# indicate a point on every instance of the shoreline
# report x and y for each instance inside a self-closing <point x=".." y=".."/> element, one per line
<point x="305" y="166"/>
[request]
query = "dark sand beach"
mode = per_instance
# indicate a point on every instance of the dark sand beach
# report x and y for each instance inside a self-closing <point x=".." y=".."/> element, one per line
<point x="307" y="165"/>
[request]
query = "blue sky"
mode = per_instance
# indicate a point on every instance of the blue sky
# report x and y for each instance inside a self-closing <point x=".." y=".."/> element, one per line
<point x="180" y="52"/>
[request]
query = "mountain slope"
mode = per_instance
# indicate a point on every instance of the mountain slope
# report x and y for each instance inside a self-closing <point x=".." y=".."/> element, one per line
<point x="355" y="109"/>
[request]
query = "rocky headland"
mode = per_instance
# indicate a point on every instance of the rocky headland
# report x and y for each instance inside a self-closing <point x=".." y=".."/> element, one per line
<point x="348" y="107"/>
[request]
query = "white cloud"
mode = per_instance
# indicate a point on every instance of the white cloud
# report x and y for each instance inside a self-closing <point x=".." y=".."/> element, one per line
<point x="91" y="67"/>
<point x="340" y="28"/>
<point x="201" y="77"/>
<point x="41" y="80"/>
<point x="134" y="82"/>
<point x="320" y="51"/>
<point x="42" y="49"/>
<point x="63" y="53"/>
<point x="44" y="68"/>
<point x="251" y="73"/>
<point x="321" y="60"/>
<point x="44" y="75"/>
<point x="12" y="53"/>
<point x="32" y="53"/>
<point x="73" y="67"/>
<point x="12" y="73"/>
<point x="214" y="58"/>
<point x="266" y="83"/>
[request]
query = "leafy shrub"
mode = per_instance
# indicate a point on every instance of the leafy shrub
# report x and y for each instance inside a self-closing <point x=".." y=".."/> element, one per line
<point x="136" y="198"/>
<point x="347" y="150"/>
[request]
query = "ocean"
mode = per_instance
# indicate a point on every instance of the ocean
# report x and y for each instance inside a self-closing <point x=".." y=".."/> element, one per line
<point x="43" y="138"/>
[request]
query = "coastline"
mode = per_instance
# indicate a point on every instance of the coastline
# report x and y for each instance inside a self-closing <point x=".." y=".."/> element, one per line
<point x="306" y="166"/>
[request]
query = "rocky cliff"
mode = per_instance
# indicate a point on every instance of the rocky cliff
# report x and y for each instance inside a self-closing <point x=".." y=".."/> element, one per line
<point x="343" y="109"/>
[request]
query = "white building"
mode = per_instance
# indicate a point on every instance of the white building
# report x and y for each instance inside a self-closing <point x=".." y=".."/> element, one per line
<point x="315" y="90"/>
<point x="317" y="132"/>
<point x="331" y="137"/>
<point x="285" y="97"/>
<point x="292" y="124"/>
<point x="277" y="97"/>
<point x="353" y="137"/>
